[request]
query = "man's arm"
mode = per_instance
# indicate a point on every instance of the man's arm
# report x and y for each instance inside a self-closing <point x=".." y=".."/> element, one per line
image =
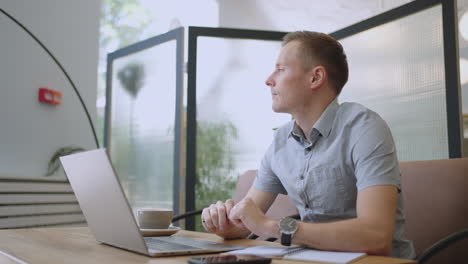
<point x="261" y="198"/>
<point x="215" y="217"/>
<point x="371" y="231"/>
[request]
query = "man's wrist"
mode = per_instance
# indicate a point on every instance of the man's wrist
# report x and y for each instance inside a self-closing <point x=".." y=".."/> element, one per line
<point x="271" y="229"/>
<point x="234" y="233"/>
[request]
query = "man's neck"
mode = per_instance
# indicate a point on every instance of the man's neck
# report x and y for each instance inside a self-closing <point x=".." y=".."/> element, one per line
<point x="310" y="114"/>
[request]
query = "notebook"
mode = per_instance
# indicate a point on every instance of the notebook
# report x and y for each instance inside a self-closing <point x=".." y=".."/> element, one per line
<point x="109" y="215"/>
<point x="301" y="253"/>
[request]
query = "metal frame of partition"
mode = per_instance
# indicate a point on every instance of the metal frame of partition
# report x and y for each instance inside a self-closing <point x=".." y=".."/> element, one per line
<point x="452" y="73"/>
<point x="178" y="36"/>
<point x="193" y="34"/>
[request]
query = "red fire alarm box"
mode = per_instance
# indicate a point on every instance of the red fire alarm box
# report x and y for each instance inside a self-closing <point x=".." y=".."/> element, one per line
<point x="50" y="96"/>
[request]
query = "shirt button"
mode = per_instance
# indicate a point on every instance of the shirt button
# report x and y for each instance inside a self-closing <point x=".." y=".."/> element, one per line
<point x="307" y="206"/>
<point x="301" y="177"/>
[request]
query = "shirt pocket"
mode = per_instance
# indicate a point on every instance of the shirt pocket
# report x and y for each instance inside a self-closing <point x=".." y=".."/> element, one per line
<point x="326" y="191"/>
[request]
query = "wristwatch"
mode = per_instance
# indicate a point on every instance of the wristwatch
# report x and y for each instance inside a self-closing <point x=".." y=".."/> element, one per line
<point x="287" y="227"/>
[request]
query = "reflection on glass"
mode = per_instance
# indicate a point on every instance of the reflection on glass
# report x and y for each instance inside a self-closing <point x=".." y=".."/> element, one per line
<point x="235" y="123"/>
<point x="397" y="70"/>
<point x="142" y="124"/>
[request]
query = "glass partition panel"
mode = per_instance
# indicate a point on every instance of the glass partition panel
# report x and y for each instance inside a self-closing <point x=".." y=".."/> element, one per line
<point x="143" y="130"/>
<point x="397" y="69"/>
<point x="235" y="122"/>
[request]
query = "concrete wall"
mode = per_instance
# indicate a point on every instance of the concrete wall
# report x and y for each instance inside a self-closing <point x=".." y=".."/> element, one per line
<point x="30" y="131"/>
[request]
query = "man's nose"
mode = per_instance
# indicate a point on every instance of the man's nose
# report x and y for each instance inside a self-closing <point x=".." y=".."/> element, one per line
<point x="269" y="81"/>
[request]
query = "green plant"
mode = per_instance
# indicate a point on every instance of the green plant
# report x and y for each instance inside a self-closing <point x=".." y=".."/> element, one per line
<point x="123" y="22"/>
<point x="215" y="163"/>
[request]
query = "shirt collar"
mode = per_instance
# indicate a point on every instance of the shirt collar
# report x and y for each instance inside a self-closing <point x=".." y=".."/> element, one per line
<point x="325" y="122"/>
<point x="323" y="125"/>
<point x="296" y="132"/>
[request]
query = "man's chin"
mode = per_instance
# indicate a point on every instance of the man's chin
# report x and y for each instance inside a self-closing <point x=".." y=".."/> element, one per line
<point x="278" y="109"/>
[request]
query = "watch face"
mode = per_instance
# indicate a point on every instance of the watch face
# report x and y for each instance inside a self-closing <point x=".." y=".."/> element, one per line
<point x="288" y="225"/>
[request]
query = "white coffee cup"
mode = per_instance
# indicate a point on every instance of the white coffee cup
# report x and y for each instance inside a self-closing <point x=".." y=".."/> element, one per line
<point x="154" y="218"/>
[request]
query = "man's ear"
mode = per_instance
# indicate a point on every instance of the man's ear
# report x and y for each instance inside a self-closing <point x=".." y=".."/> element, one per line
<point x="318" y="76"/>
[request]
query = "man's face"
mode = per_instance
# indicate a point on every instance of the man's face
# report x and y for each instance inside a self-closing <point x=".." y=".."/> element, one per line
<point x="289" y="82"/>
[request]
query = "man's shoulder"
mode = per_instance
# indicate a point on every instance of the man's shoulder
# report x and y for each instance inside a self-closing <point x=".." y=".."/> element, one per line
<point x="358" y="115"/>
<point x="353" y="108"/>
<point x="355" y="121"/>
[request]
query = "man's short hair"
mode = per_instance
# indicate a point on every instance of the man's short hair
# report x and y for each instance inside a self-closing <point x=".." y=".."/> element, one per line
<point x="321" y="49"/>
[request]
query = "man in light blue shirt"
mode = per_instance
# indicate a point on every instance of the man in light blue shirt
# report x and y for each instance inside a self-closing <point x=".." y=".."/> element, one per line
<point x="337" y="162"/>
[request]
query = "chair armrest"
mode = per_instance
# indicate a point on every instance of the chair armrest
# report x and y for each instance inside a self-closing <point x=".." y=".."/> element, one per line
<point x="442" y="244"/>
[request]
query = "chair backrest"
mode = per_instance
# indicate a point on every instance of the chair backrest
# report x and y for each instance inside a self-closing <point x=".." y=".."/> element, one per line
<point x="435" y="194"/>
<point x="281" y="207"/>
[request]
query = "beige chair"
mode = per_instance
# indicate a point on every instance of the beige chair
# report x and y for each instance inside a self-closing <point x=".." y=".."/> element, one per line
<point x="436" y="205"/>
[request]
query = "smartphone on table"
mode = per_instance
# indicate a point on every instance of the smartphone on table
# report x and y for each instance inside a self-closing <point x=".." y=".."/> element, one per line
<point x="230" y="259"/>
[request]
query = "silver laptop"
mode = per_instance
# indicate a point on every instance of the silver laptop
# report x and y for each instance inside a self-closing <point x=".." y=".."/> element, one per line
<point x="109" y="215"/>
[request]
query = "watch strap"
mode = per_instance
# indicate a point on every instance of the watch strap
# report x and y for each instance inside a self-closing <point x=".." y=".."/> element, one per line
<point x="286" y="239"/>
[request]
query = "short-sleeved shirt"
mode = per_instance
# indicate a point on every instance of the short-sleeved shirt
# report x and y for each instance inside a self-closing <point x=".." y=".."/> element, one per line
<point x="350" y="148"/>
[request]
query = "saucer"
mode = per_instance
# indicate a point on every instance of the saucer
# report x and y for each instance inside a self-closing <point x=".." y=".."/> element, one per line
<point x="160" y="232"/>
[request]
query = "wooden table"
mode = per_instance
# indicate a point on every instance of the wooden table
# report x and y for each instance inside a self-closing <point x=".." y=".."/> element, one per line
<point x="77" y="245"/>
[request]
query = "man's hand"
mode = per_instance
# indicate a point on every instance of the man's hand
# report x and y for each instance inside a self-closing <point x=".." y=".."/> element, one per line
<point x="215" y="220"/>
<point x="247" y="215"/>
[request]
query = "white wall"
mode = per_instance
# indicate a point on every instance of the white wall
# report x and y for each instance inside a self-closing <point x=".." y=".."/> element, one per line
<point x="30" y="132"/>
<point x="279" y="15"/>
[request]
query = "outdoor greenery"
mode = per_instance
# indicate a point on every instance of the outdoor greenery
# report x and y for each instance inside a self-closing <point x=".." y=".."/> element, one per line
<point x="215" y="163"/>
<point x="124" y="22"/>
